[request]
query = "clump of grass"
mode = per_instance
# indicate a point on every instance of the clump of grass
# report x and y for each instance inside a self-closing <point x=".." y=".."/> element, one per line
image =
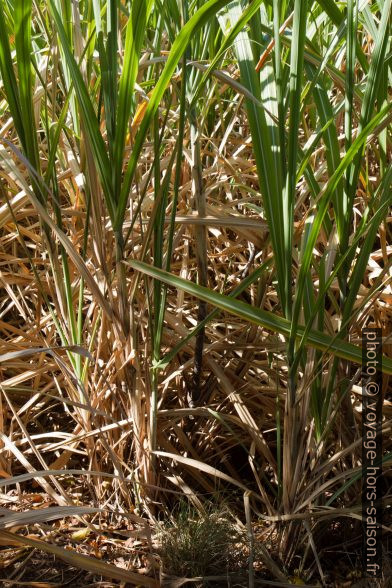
<point x="201" y="544"/>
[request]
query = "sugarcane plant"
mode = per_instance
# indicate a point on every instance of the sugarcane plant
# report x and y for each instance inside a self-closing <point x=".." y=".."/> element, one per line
<point x="145" y="145"/>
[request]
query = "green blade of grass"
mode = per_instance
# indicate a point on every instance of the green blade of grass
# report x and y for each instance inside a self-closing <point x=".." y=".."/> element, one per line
<point x="370" y="229"/>
<point x="267" y="320"/>
<point x="23" y="47"/>
<point x="373" y="81"/>
<point x="359" y="269"/>
<point x="202" y="16"/>
<point x="9" y="80"/>
<point x="228" y="41"/>
<point x="88" y="115"/>
<point x="164" y="362"/>
<point x="106" y="74"/>
<point x="296" y="73"/>
<point x="323" y="203"/>
<point x="330" y="136"/>
<point x="266" y="159"/>
<point x="135" y="33"/>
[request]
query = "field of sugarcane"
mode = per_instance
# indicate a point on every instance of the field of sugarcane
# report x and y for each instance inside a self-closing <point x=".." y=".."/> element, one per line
<point x="195" y="212"/>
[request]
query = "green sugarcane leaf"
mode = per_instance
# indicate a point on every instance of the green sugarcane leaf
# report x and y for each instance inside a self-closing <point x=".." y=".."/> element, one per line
<point x="88" y="115"/>
<point x="262" y="318"/>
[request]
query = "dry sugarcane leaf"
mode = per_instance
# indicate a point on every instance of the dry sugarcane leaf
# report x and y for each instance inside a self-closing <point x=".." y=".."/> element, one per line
<point x="91" y="564"/>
